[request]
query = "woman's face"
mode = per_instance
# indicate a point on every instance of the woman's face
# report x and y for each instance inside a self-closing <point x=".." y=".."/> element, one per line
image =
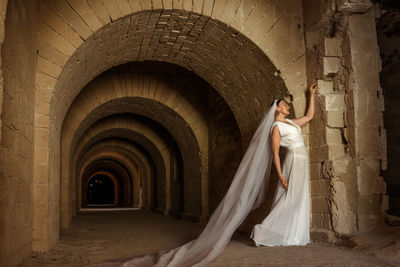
<point x="283" y="107"/>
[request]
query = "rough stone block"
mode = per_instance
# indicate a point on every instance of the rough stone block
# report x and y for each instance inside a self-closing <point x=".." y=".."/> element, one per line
<point x="319" y="205"/>
<point x="336" y="152"/>
<point x="321" y="221"/>
<point x="333" y="136"/>
<point x="325" y="87"/>
<point x="341" y="165"/>
<point x="331" y="65"/>
<point x="318" y="154"/>
<point x="318" y="138"/>
<point x="335" y="102"/>
<point x="320" y="187"/>
<point x="343" y="216"/>
<point x="314" y="171"/>
<point x="332" y="47"/>
<point x="334" y="118"/>
<point x="41" y="120"/>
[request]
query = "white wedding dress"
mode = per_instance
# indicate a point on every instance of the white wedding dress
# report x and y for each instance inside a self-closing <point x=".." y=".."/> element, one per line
<point x="288" y="221"/>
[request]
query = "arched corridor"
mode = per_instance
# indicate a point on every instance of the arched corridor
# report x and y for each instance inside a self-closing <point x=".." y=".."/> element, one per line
<point x="146" y="107"/>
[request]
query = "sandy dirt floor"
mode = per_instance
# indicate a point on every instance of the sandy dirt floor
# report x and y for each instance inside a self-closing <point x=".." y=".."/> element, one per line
<point x="101" y="237"/>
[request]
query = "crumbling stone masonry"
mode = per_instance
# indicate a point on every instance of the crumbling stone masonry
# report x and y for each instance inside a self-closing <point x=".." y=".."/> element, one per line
<point x="348" y="140"/>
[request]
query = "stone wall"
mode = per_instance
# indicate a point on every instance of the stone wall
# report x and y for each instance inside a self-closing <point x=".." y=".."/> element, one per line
<point x="347" y="138"/>
<point x="389" y="44"/>
<point x="18" y="62"/>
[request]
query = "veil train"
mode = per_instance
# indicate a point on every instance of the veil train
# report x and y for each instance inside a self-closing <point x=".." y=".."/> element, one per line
<point x="246" y="192"/>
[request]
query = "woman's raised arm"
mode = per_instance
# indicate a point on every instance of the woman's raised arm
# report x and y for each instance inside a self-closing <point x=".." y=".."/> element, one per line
<point x="311" y="109"/>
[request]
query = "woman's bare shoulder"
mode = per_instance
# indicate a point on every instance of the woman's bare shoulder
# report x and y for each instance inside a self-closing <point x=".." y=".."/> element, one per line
<point x="275" y="123"/>
<point x="301" y="121"/>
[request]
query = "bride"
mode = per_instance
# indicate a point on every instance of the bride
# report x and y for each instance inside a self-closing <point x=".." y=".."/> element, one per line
<point x="288" y="221"/>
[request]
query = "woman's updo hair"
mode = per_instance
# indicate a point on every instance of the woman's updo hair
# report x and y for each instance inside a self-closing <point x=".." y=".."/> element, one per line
<point x="277" y="102"/>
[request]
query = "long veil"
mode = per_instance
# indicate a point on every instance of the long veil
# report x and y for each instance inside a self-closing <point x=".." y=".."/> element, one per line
<point x="246" y="193"/>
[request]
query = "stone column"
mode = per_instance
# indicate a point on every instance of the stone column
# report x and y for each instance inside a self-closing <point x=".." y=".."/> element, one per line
<point x="365" y="93"/>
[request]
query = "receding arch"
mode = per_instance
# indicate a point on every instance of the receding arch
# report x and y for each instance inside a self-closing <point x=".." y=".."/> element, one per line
<point x="67" y="60"/>
<point x="144" y="103"/>
<point x="123" y="150"/>
<point x="116" y="125"/>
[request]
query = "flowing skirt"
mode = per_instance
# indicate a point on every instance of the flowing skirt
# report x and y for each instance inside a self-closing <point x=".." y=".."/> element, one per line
<point x="288" y="222"/>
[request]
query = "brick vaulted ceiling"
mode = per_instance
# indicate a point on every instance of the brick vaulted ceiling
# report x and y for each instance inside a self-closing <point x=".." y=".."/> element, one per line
<point x="237" y="68"/>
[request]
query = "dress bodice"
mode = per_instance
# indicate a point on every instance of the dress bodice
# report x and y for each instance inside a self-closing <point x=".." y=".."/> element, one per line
<point x="290" y="133"/>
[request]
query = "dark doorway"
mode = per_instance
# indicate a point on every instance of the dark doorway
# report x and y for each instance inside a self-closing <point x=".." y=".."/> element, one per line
<point x="101" y="191"/>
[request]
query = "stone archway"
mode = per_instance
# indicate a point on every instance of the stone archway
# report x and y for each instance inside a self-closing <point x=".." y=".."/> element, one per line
<point x="136" y="161"/>
<point x="74" y="49"/>
<point x="180" y="118"/>
<point x="135" y="132"/>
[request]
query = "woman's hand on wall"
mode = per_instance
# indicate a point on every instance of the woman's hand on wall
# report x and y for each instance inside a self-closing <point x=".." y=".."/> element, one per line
<point x="313" y="87"/>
